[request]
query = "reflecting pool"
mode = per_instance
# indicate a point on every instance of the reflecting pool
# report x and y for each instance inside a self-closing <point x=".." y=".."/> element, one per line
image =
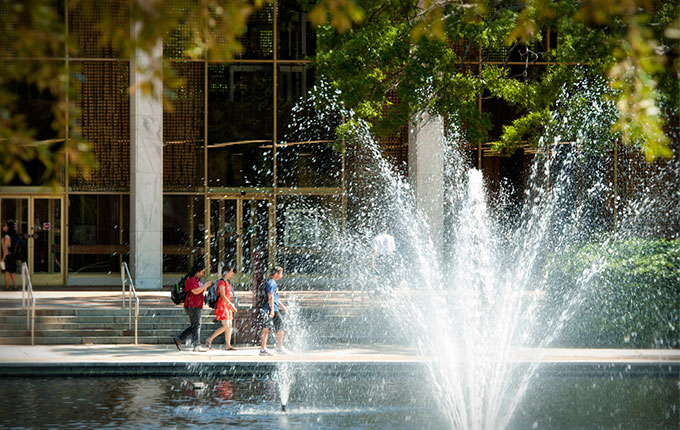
<point x="396" y="401"/>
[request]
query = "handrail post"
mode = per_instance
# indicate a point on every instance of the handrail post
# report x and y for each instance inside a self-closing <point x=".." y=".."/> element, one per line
<point x="30" y="316"/>
<point x="23" y="287"/>
<point x="122" y="281"/>
<point x="126" y="277"/>
<point x="129" y="311"/>
<point x="136" y="316"/>
<point x="33" y="322"/>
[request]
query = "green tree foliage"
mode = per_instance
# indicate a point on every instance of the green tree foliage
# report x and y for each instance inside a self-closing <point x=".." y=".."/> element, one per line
<point x="33" y="30"/>
<point x="418" y="49"/>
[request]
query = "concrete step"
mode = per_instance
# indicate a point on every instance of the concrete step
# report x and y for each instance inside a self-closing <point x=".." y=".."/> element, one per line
<point x="64" y="333"/>
<point x="92" y="311"/>
<point x="158" y="312"/>
<point x="159" y="325"/>
<point x="175" y="325"/>
<point x="98" y="318"/>
<point x="74" y="340"/>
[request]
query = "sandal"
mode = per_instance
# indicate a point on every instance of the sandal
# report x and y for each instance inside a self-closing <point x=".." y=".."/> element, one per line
<point x="231" y="348"/>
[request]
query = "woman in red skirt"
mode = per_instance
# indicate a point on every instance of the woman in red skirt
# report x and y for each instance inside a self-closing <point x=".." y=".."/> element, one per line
<point x="224" y="309"/>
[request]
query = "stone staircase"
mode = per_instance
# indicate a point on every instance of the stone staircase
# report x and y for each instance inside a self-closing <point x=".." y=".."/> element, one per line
<point x="62" y="326"/>
<point x="78" y="325"/>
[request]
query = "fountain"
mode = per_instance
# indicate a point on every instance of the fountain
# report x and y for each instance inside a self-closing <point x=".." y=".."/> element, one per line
<point x="475" y="299"/>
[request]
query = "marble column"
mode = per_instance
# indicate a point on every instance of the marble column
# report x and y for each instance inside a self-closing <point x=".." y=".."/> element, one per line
<point x="146" y="169"/>
<point x="426" y="170"/>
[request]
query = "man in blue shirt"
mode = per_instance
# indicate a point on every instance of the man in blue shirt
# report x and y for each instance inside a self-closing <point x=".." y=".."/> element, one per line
<point x="271" y="313"/>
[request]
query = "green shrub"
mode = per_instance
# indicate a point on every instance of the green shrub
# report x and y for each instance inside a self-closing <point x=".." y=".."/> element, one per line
<point x="616" y="294"/>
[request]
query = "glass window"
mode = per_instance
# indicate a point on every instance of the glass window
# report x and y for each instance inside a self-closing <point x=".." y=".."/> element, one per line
<point x="307" y="232"/>
<point x="183" y="232"/>
<point x="297" y="39"/>
<point x="255" y="259"/>
<point x="248" y="165"/>
<point x="35" y="106"/>
<point x="298" y="120"/>
<point x="47" y="236"/>
<point x="223" y="232"/>
<point x="309" y="165"/>
<point x="240" y="103"/>
<point x="95" y="234"/>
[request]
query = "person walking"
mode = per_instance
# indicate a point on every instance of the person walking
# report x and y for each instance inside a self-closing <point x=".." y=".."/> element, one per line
<point x="271" y="313"/>
<point x="224" y="310"/>
<point x="8" y="261"/>
<point x="193" y="303"/>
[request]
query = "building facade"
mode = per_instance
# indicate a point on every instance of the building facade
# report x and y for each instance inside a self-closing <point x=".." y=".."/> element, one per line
<point x="236" y="183"/>
<point x="234" y="170"/>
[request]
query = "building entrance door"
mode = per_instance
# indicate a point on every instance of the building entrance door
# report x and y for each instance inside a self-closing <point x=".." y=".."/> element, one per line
<point x="239" y="234"/>
<point x="39" y="221"/>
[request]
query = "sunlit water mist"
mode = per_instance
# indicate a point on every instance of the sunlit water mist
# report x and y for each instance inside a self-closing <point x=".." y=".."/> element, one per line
<point x="298" y="333"/>
<point x="472" y="299"/>
<point x="470" y="302"/>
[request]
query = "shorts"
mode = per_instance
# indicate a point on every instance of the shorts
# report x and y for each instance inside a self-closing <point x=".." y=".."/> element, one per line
<point x="275" y="323"/>
<point x="10" y="264"/>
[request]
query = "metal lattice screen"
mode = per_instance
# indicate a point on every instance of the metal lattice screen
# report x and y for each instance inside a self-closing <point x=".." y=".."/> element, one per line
<point x="465" y="50"/>
<point x="183" y="130"/>
<point x="8" y="30"/>
<point x="104" y="105"/>
<point x="178" y="39"/>
<point x="395" y="145"/>
<point x="84" y="21"/>
<point x="649" y="186"/>
<point x="258" y="40"/>
<point x="633" y="172"/>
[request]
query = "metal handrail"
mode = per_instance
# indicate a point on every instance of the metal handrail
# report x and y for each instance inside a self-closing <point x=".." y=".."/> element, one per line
<point x="126" y="278"/>
<point x="30" y="322"/>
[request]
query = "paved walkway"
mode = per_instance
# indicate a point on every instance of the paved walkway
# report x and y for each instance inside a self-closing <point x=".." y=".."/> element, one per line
<point x="160" y="359"/>
<point x="23" y="360"/>
<point x="65" y="354"/>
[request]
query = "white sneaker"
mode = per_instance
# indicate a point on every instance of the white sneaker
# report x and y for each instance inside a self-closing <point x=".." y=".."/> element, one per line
<point x="200" y="349"/>
<point x="265" y="352"/>
<point x="282" y="351"/>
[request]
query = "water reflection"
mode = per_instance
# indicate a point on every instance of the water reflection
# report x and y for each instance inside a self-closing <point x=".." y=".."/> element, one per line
<point x="398" y="401"/>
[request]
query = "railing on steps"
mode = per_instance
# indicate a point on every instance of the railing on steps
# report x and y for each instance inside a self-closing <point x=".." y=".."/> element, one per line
<point x="26" y="295"/>
<point x="125" y="278"/>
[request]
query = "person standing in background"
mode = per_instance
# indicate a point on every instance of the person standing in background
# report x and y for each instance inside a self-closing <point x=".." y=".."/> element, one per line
<point x="7" y="257"/>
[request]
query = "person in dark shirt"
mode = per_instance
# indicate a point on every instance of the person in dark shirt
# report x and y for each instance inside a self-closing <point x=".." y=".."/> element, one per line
<point x="193" y="303"/>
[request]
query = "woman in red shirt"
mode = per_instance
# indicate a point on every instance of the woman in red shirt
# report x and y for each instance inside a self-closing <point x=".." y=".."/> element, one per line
<point x="193" y="303"/>
<point x="224" y="310"/>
